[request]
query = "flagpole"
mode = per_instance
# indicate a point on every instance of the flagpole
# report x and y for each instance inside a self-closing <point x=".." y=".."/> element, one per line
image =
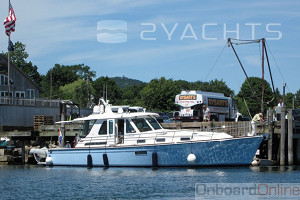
<point x="8" y="57"/>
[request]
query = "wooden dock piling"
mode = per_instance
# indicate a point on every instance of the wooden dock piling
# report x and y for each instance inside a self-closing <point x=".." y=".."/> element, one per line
<point x="271" y="134"/>
<point x="282" y="137"/>
<point x="290" y="138"/>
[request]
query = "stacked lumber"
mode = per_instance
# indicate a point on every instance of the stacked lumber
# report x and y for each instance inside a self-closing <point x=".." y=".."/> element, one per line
<point x="42" y="120"/>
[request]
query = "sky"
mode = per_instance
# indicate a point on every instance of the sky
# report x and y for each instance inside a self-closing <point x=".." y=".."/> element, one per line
<point x="175" y="39"/>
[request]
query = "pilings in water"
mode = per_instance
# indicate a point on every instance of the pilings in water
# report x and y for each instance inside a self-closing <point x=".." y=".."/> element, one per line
<point x="286" y="135"/>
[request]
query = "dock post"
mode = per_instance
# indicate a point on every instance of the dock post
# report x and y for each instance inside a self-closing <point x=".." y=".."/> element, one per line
<point x="282" y="137"/>
<point x="23" y="152"/>
<point x="290" y="138"/>
<point x="271" y="134"/>
<point x="62" y="126"/>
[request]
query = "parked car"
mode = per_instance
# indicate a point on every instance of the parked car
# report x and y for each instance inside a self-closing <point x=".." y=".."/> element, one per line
<point x="164" y="119"/>
<point x="173" y="115"/>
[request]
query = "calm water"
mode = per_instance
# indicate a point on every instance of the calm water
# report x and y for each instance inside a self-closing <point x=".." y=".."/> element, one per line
<point x="35" y="182"/>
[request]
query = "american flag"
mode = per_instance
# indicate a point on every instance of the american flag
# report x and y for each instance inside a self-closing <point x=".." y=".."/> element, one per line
<point x="9" y="21"/>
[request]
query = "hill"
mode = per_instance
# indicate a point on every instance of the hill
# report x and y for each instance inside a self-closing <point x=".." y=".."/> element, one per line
<point x="124" y="82"/>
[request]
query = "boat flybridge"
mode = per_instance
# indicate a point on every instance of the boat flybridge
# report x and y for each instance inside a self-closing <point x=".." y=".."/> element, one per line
<point x="118" y="137"/>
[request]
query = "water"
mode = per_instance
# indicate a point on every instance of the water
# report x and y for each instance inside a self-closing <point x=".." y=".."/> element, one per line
<point x="36" y="182"/>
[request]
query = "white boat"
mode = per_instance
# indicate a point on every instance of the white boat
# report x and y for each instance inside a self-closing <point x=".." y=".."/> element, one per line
<point x="136" y="139"/>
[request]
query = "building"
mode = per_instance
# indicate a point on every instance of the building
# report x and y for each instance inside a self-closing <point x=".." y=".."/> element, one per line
<point x="20" y="104"/>
<point x="21" y="84"/>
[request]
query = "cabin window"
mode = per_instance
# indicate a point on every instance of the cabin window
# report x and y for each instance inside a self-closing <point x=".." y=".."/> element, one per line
<point x="87" y="126"/>
<point x="160" y="139"/>
<point x="103" y="129"/>
<point x="129" y="128"/>
<point x="111" y="126"/>
<point x="154" y="123"/>
<point x="185" y="138"/>
<point x="141" y="124"/>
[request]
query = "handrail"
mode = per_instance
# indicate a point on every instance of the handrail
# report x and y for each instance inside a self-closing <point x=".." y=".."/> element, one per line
<point x="30" y="101"/>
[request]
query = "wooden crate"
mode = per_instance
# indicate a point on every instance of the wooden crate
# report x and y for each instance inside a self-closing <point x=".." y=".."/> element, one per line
<point x="42" y="120"/>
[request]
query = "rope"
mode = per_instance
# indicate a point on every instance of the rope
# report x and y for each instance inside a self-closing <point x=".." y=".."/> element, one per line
<point x="277" y="65"/>
<point x="215" y="63"/>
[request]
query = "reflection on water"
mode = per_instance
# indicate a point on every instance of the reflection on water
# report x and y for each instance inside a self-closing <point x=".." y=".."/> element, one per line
<point x="128" y="183"/>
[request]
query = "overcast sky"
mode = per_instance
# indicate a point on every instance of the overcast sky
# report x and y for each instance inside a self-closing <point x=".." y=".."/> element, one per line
<point x="151" y="39"/>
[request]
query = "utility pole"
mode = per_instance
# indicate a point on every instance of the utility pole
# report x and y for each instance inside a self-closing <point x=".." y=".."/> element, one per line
<point x="51" y="84"/>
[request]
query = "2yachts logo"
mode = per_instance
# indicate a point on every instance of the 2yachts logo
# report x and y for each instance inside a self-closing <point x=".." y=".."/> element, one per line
<point x="112" y="31"/>
<point x="115" y="31"/>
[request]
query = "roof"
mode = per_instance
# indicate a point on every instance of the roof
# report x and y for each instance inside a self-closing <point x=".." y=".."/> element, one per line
<point x="18" y="69"/>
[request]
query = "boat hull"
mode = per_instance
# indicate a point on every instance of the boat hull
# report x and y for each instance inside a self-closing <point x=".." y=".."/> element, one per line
<point x="235" y="151"/>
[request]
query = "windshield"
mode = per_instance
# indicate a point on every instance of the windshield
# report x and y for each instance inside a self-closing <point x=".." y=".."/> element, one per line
<point x="154" y="123"/>
<point x="141" y="124"/>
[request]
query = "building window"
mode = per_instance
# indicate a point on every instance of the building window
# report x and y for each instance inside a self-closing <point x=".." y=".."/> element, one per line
<point x="3" y="80"/>
<point x="20" y="94"/>
<point x="5" y="94"/>
<point x="30" y="93"/>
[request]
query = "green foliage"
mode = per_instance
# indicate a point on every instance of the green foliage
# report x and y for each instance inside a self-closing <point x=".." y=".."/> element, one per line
<point x="62" y="75"/>
<point x="297" y="99"/>
<point x="159" y="95"/>
<point x="114" y="93"/>
<point x="18" y="57"/>
<point x="124" y="82"/>
<point x="78" y="92"/>
<point x="254" y="101"/>
<point x="131" y="95"/>
<point x="216" y="86"/>
<point x="289" y="100"/>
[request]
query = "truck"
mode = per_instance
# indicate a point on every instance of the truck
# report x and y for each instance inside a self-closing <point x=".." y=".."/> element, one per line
<point x="191" y="103"/>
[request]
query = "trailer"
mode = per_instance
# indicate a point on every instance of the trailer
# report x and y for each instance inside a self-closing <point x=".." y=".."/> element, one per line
<point x="191" y="103"/>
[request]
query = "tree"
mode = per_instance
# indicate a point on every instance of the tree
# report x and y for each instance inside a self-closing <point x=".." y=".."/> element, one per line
<point x="114" y="93"/>
<point x="61" y="75"/>
<point x="78" y="92"/>
<point x="216" y="86"/>
<point x="297" y="99"/>
<point x="131" y="95"/>
<point x="254" y="101"/>
<point x="19" y="56"/>
<point x="159" y="95"/>
<point x="289" y="100"/>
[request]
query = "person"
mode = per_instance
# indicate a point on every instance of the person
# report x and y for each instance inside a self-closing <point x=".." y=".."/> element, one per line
<point x="280" y="104"/>
<point x="278" y="109"/>
<point x="76" y="140"/>
<point x="256" y="119"/>
<point x="206" y="113"/>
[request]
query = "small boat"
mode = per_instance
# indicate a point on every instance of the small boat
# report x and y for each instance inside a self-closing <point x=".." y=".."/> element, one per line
<point x="135" y="139"/>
